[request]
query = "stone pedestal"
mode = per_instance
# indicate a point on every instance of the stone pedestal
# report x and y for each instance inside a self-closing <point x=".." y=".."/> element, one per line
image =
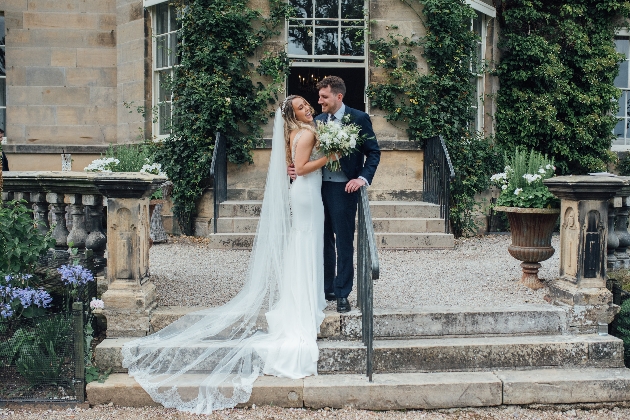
<point x="583" y="239"/>
<point x="130" y="296"/>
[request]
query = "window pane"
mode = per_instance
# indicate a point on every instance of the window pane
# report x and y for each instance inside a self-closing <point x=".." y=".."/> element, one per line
<point x="3" y="91"/>
<point x="1" y="30"/>
<point x="352" y="41"/>
<point x="174" y="25"/>
<point x="622" y="78"/>
<point x="304" y="8"/>
<point x="172" y="53"/>
<point x="2" y="62"/>
<point x="3" y="120"/>
<point x="327" y="8"/>
<point x="621" y="45"/>
<point x="165" y="118"/>
<point x="476" y="24"/>
<point x="327" y="22"/>
<point x="163" y="93"/>
<point x="626" y="95"/>
<point x="326" y="42"/>
<point x="300" y="41"/>
<point x="622" y="104"/>
<point x="161" y="18"/>
<point x="352" y="9"/>
<point x="161" y="51"/>
<point x="618" y="131"/>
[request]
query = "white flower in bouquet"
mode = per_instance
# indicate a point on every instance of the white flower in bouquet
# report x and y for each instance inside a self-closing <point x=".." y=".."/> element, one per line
<point x="102" y="165"/>
<point x="338" y="139"/>
<point x="152" y="168"/>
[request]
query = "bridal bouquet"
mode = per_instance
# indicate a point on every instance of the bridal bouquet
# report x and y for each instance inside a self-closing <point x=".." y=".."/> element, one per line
<point x="338" y="139"/>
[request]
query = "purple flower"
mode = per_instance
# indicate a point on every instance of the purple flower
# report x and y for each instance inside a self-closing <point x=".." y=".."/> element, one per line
<point x="28" y="297"/>
<point x="75" y="275"/>
<point x="5" y="310"/>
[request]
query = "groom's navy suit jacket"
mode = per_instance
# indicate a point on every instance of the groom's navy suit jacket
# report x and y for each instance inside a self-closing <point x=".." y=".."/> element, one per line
<point x="340" y="207"/>
<point x="353" y="165"/>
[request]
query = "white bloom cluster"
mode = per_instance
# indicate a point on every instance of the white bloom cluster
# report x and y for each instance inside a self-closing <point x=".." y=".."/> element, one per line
<point x="532" y="178"/>
<point x="338" y="139"/>
<point x="152" y="168"/>
<point x="97" y="304"/>
<point x="502" y="176"/>
<point x="517" y="191"/>
<point x="102" y="165"/>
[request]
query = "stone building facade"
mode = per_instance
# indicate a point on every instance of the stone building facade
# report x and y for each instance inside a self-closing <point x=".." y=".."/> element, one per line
<point x="77" y="71"/>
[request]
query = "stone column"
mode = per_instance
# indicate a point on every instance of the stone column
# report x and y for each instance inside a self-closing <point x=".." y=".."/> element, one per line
<point x="612" y="241"/>
<point x="583" y="239"/>
<point x="96" y="240"/>
<point x="60" y="231"/>
<point x="621" y="230"/>
<point x="40" y="212"/>
<point x="130" y="296"/>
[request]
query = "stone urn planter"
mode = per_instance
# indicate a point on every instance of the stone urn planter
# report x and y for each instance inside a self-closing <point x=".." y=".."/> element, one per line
<point x="531" y="239"/>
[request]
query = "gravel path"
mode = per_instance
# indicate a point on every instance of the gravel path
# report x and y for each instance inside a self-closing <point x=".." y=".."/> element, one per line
<point x="593" y="412"/>
<point x="478" y="272"/>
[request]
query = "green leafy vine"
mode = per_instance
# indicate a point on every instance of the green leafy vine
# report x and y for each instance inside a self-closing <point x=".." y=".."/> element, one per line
<point x="217" y="88"/>
<point x="437" y="102"/>
<point x="557" y="74"/>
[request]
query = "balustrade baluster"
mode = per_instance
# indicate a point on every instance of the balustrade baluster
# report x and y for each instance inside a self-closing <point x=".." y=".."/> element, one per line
<point x="612" y="241"/>
<point x="96" y="240"/>
<point x="58" y="210"/>
<point x="40" y="212"/>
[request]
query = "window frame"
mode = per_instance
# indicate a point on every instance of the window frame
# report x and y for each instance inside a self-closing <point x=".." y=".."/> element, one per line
<point x="156" y="71"/>
<point x="332" y="61"/>
<point x="623" y="33"/>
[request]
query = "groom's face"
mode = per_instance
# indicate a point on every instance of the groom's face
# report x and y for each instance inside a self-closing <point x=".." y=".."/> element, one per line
<point x="330" y="101"/>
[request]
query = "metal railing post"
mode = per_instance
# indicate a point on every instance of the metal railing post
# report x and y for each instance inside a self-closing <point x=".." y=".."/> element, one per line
<point x="438" y="173"/>
<point x="218" y="173"/>
<point x="367" y="272"/>
<point x="79" y="351"/>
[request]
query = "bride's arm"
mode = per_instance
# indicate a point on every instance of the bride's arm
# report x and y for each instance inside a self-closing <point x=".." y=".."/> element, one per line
<point x="303" y="154"/>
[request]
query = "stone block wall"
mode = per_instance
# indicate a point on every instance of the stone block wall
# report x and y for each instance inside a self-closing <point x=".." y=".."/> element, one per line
<point x="61" y="72"/>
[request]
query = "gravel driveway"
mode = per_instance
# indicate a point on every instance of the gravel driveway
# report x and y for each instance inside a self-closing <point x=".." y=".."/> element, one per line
<point x="477" y="272"/>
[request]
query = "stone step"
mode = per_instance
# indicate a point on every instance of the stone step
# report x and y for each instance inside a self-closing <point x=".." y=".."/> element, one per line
<point x="428" y="321"/>
<point x="434" y="354"/>
<point x="403" y="391"/>
<point x="428" y="240"/>
<point x="384" y="224"/>
<point x="379" y="209"/>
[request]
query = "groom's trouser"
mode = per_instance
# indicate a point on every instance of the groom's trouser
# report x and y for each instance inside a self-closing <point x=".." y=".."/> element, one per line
<point x="340" y="209"/>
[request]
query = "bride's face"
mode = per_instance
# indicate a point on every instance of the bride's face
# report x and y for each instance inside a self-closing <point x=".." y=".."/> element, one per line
<point x="302" y="110"/>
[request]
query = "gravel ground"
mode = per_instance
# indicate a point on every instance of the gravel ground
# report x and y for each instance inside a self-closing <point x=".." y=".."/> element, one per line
<point x="477" y="272"/>
<point x="594" y="412"/>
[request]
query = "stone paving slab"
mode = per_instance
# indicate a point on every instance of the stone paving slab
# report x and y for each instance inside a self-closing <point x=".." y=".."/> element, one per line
<point x="565" y="386"/>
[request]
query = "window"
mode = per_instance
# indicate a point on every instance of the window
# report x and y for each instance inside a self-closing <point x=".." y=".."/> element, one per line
<point x="165" y="57"/>
<point x="477" y="25"/>
<point x="622" y="129"/>
<point x="325" y="38"/>
<point x="3" y="78"/>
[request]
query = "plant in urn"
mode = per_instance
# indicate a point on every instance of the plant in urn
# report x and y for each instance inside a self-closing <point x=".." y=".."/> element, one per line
<point x="531" y="209"/>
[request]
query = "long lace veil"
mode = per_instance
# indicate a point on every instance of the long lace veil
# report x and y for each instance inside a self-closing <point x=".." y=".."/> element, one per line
<point x="216" y="348"/>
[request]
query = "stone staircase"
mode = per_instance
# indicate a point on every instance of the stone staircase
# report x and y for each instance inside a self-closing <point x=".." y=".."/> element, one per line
<point x="398" y="225"/>
<point x="430" y="357"/>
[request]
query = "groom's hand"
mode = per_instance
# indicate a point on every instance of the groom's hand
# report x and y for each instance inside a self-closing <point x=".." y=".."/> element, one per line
<point x="354" y="184"/>
<point x="292" y="172"/>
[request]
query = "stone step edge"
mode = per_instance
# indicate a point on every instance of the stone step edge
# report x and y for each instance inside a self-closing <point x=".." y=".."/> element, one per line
<point x="407" y="390"/>
<point x="430" y="321"/>
<point x="349" y="356"/>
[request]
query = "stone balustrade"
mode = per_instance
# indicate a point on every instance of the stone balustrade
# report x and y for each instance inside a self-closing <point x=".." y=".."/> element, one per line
<point x="73" y="204"/>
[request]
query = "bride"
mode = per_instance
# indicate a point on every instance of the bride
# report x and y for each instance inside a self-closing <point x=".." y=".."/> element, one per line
<point x="271" y="326"/>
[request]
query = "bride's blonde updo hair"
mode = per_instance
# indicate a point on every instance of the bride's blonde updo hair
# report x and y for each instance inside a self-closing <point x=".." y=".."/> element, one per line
<point x="292" y="123"/>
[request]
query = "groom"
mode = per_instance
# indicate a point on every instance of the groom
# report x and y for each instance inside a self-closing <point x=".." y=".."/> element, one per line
<point x="340" y="191"/>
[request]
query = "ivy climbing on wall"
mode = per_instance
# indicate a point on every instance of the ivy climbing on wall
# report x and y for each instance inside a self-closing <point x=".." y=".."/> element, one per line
<point x="437" y="101"/>
<point x="214" y="89"/>
<point x="557" y="72"/>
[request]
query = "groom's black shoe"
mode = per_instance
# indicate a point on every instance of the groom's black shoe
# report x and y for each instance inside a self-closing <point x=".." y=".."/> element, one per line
<point x="330" y="296"/>
<point x="343" y="305"/>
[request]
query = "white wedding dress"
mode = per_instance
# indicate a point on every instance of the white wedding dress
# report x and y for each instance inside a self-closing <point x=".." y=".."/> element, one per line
<point x="209" y="360"/>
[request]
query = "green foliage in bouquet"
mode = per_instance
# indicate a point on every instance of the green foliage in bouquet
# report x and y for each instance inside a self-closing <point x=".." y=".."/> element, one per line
<point x="522" y="181"/>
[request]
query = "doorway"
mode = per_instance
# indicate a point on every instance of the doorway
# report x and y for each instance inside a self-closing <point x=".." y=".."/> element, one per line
<point x="302" y="81"/>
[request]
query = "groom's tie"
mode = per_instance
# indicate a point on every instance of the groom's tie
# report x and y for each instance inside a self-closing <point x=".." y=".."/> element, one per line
<point x="332" y="118"/>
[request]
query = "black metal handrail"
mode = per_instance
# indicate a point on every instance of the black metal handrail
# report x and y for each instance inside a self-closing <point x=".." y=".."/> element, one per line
<point x="367" y="272"/>
<point x="437" y="176"/>
<point x="218" y="173"/>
